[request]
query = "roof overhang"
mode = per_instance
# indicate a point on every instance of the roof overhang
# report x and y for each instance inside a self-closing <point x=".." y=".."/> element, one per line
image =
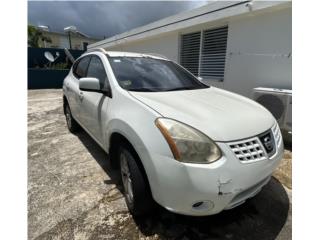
<point x="209" y="13"/>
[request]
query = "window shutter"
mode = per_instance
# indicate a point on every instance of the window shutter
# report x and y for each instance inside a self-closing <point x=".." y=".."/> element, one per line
<point x="214" y="53"/>
<point x="190" y="48"/>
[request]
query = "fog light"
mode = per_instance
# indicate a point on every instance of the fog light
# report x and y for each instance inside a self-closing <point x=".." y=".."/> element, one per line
<point x="202" y="205"/>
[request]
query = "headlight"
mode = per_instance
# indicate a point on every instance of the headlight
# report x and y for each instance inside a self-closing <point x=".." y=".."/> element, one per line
<point x="188" y="144"/>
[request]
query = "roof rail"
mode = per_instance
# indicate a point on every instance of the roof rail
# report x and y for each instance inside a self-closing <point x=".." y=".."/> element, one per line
<point x="96" y="50"/>
<point x="156" y="55"/>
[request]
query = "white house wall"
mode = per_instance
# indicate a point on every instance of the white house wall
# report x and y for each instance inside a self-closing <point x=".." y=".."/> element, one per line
<point x="166" y="45"/>
<point x="258" y="50"/>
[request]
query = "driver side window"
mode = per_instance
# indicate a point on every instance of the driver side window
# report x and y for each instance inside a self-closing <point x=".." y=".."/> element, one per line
<point x="96" y="70"/>
<point x="80" y="68"/>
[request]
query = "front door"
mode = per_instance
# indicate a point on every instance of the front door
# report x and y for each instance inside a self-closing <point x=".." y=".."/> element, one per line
<point x="72" y="86"/>
<point x="93" y="103"/>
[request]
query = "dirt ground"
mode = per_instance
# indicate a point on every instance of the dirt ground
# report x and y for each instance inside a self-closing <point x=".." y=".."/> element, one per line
<point x="74" y="194"/>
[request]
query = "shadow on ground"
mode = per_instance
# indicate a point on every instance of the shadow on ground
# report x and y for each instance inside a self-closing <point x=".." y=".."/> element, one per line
<point x="259" y="218"/>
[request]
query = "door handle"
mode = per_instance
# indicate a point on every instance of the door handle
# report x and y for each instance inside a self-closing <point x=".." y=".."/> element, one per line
<point x="81" y="96"/>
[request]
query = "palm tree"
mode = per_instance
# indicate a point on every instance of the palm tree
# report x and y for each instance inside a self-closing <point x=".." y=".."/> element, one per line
<point x="35" y="35"/>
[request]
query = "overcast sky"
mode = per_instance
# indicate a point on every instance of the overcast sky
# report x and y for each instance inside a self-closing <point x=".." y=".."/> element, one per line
<point x="99" y="19"/>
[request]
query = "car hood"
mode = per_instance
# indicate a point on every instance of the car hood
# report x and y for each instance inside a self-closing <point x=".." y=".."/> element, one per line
<point x="221" y="115"/>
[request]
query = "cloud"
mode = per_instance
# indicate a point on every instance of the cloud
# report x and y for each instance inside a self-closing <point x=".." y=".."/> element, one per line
<point x="103" y="19"/>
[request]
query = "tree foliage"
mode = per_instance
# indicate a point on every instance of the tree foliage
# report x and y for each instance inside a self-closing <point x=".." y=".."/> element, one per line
<point x="35" y="36"/>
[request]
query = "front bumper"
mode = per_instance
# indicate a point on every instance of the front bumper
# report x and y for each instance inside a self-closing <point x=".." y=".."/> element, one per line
<point x="224" y="184"/>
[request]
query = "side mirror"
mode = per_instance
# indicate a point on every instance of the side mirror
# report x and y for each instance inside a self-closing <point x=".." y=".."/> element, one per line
<point x="89" y="84"/>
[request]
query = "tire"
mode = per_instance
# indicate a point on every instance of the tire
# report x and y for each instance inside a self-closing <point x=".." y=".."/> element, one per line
<point x="72" y="125"/>
<point x="135" y="186"/>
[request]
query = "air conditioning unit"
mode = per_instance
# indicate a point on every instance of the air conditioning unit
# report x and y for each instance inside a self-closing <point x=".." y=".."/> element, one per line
<point x="278" y="102"/>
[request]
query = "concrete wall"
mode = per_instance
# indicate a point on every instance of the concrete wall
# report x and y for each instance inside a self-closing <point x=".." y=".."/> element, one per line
<point x="36" y="58"/>
<point x="46" y="78"/>
<point x="258" y="50"/>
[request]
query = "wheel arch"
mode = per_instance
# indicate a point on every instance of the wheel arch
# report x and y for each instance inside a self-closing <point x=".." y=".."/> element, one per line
<point x="135" y="145"/>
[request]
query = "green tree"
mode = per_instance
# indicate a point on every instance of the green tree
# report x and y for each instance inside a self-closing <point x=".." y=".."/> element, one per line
<point x="35" y="35"/>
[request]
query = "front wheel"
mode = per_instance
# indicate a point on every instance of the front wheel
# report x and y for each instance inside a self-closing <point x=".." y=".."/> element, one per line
<point x="73" y="126"/>
<point x="135" y="186"/>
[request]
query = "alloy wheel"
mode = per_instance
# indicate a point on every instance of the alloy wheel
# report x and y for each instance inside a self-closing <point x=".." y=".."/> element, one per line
<point x="126" y="177"/>
<point x="68" y="117"/>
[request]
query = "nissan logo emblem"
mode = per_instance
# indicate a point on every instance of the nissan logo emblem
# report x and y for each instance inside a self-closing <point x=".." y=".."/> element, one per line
<point x="267" y="143"/>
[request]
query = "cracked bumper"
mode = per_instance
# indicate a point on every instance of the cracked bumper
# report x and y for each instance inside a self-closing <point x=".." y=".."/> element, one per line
<point x="223" y="184"/>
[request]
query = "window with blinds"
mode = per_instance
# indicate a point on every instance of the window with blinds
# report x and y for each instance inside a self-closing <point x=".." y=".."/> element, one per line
<point x="204" y="54"/>
<point x="214" y="53"/>
<point x="189" y="54"/>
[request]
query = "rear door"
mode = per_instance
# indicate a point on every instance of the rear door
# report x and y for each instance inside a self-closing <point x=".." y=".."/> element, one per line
<point x="93" y="102"/>
<point x="79" y="70"/>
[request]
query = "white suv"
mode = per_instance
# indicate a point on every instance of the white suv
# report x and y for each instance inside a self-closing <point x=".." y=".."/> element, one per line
<point x="194" y="149"/>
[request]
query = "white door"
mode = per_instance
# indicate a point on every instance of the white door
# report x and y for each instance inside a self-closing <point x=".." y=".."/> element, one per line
<point x="79" y="71"/>
<point x="93" y="102"/>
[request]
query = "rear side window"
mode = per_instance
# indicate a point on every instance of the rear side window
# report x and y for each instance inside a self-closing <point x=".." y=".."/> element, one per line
<point x="96" y="70"/>
<point x="81" y="67"/>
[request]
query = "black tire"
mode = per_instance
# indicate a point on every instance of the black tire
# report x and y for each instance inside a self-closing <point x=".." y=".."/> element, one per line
<point x="72" y="125"/>
<point x="141" y="201"/>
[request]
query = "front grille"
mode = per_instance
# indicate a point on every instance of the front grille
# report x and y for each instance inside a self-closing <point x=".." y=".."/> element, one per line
<point x="249" y="150"/>
<point x="252" y="149"/>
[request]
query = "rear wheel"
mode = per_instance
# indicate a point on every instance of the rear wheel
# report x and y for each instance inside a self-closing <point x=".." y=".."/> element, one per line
<point x="135" y="187"/>
<point x="73" y="126"/>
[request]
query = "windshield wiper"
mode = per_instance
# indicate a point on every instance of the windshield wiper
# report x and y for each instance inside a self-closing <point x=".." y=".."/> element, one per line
<point x="180" y="88"/>
<point x="141" y="90"/>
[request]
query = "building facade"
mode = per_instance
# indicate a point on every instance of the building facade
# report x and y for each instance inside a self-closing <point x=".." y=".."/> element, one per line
<point x="236" y="46"/>
<point x="61" y="40"/>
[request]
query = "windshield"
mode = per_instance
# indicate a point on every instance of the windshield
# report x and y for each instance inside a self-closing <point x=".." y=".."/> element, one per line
<point x="147" y="74"/>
